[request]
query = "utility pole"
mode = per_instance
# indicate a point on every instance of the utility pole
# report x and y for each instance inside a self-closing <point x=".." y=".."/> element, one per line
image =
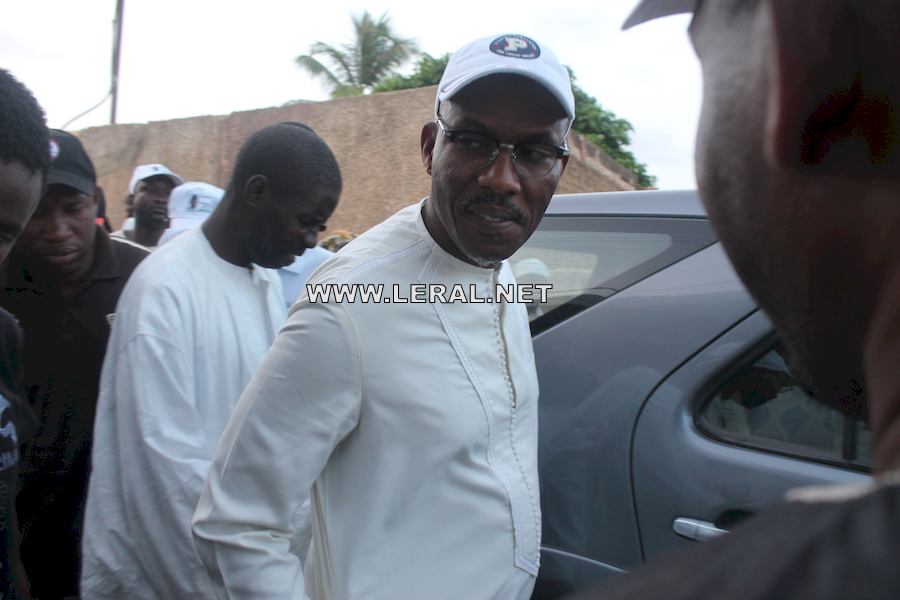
<point x="117" y="47"/>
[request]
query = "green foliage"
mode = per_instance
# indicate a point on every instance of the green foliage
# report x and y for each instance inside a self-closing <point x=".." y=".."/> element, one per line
<point x="353" y="69"/>
<point x="428" y="71"/>
<point x="600" y="126"/>
<point x="608" y="131"/>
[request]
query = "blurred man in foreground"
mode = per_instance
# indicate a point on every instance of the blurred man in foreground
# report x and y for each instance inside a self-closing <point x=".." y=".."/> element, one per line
<point x="798" y="160"/>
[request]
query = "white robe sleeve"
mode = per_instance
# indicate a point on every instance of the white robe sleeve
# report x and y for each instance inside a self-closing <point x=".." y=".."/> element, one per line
<point x="302" y="401"/>
<point x="169" y="457"/>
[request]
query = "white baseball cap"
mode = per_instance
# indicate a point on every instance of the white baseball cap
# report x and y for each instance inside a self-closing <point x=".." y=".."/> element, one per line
<point x="191" y="203"/>
<point x="142" y="172"/>
<point x="509" y="53"/>
<point x="647" y="10"/>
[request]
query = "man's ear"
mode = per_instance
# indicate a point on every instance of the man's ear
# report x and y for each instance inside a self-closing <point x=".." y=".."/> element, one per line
<point x="427" y="141"/>
<point x="256" y="191"/>
<point x="814" y="91"/>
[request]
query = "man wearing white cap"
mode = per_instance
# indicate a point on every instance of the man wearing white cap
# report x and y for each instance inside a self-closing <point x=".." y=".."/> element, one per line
<point x="411" y="425"/>
<point x="190" y="204"/>
<point x="148" y="200"/>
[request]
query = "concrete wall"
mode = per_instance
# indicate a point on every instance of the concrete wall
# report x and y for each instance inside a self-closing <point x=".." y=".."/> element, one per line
<point x="375" y="139"/>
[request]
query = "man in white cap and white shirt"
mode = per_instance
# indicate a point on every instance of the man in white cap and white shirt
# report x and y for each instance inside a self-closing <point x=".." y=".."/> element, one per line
<point x="148" y="202"/>
<point x="190" y="205"/>
<point x="412" y="426"/>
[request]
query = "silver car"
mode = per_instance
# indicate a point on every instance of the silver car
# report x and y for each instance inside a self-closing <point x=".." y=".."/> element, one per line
<point x="667" y="410"/>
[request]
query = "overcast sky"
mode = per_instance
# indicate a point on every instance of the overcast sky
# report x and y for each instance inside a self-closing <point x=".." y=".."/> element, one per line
<point x="182" y="58"/>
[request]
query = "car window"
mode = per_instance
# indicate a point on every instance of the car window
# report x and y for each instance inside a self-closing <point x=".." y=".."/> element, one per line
<point x="585" y="259"/>
<point x="761" y="405"/>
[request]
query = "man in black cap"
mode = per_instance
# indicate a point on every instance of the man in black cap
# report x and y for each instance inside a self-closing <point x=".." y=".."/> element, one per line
<point x="63" y="280"/>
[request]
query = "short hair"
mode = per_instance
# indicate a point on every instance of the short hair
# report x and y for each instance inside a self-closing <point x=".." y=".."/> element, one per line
<point x="24" y="136"/>
<point x="290" y="155"/>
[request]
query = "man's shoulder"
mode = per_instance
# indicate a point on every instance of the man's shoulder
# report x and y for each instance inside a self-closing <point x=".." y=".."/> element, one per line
<point x="822" y="549"/>
<point x="184" y="253"/>
<point x="389" y="245"/>
<point x="128" y="254"/>
<point x="180" y="270"/>
<point x="11" y="340"/>
<point x="10" y="333"/>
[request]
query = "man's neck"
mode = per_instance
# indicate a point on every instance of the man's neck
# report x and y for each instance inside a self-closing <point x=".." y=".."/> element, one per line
<point x="881" y="356"/>
<point x="146" y="236"/>
<point x="221" y="235"/>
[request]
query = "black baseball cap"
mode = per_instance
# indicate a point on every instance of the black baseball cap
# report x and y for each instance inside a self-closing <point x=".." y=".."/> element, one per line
<point x="69" y="163"/>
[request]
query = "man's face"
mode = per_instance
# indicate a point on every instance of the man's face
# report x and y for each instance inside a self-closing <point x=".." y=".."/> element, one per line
<point x="61" y="233"/>
<point x="20" y="192"/>
<point x="483" y="215"/>
<point x="787" y="239"/>
<point x="151" y="201"/>
<point x="286" y="224"/>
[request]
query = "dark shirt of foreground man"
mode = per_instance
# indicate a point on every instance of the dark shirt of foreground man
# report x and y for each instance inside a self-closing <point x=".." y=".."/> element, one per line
<point x="24" y="160"/>
<point x="16" y="421"/>
<point x="798" y="164"/>
<point x="62" y="282"/>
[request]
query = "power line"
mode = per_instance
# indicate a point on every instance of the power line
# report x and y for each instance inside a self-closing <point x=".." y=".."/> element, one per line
<point x="91" y="109"/>
<point x="114" y="83"/>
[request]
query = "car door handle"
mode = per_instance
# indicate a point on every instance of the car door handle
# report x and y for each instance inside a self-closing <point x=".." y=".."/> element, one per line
<point x="695" y="529"/>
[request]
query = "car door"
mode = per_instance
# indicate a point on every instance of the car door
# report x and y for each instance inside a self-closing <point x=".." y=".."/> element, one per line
<point x="727" y="434"/>
<point x="599" y="363"/>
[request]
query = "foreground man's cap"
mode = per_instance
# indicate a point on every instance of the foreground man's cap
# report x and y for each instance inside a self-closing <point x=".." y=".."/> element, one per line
<point x="647" y="10"/>
<point x="513" y="54"/>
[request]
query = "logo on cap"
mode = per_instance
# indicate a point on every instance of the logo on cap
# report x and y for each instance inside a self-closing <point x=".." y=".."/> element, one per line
<point x="54" y="149"/>
<point x="515" y="46"/>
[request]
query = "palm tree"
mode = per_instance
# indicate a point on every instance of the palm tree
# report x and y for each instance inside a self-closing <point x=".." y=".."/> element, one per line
<point x="356" y="67"/>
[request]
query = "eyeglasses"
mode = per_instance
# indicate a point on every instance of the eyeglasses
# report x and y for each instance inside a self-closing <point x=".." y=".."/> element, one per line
<point x="478" y="151"/>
